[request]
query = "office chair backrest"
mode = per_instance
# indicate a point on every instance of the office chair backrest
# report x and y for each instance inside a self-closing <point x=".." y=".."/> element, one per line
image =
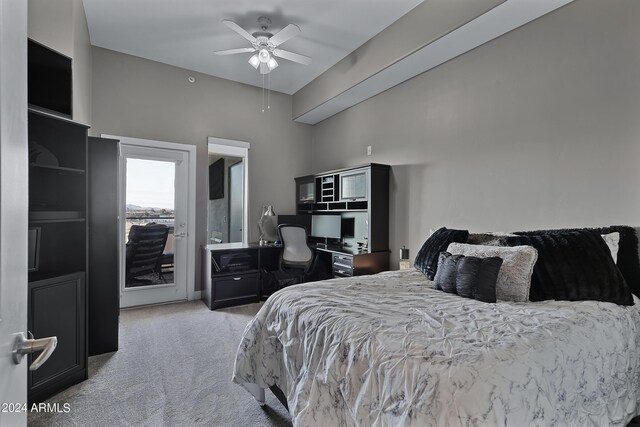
<point x="295" y="251"/>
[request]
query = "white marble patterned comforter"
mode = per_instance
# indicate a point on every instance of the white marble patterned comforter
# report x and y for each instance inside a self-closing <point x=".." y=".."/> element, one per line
<point x="387" y="350"/>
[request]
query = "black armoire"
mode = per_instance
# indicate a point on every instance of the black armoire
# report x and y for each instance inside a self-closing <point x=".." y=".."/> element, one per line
<point x="57" y="290"/>
<point x="73" y="290"/>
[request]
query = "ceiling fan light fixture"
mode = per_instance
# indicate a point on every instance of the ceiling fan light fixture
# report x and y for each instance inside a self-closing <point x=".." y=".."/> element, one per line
<point x="254" y="61"/>
<point x="264" y="56"/>
<point x="272" y="64"/>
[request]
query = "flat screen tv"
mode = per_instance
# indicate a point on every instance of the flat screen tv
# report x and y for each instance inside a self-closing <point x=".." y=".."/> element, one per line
<point x="216" y="180"/>
<point x="49" y="80"/>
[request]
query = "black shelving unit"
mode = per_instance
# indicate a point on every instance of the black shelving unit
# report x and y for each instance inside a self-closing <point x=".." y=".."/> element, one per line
<point x="57" y="286"/>
<point x="359" y="192"/>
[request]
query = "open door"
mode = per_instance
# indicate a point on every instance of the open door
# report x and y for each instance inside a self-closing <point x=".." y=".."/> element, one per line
<point x="236" y="202"/>
<point x="13" y="208"/>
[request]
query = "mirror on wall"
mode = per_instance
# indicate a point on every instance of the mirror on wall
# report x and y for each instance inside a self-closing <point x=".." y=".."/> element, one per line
<point x="226" y="207"/>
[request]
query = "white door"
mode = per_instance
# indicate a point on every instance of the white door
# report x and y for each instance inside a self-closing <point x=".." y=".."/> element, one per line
<point x="236" y="202"/>
<point x="13" y="207"/>
<point x="154" y="191"/>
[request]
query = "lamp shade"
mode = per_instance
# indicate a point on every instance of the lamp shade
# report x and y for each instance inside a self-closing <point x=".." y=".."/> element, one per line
<point x="254" y="61"/>
<point x="267" y="225"/>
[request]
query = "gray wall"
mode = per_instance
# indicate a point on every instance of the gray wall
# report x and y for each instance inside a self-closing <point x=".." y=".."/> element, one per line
<point x="62" y="26"/>
<point x="427" y="22"/>
<point x="538" y="128"/>
<point x="139" y="98"/>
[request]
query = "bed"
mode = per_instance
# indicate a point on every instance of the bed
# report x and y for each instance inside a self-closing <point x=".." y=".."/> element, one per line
<point x="388" y="349"/>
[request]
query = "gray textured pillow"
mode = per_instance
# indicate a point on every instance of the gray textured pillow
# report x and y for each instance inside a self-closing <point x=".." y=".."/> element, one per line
<point x="514" y="279"/>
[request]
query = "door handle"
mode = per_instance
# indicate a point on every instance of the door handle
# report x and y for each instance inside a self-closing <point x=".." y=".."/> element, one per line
<point x="22" y="346"/>
<point x="180" y="235"/>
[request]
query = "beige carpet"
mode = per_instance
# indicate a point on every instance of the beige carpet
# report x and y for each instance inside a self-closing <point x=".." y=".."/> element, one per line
<point x="173" y="368"/>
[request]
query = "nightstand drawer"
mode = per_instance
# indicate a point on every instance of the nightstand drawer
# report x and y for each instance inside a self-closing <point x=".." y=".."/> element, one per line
<point x="235" y="287"/>
<point x="342" y="272"/>
<point x="343" y="260"/>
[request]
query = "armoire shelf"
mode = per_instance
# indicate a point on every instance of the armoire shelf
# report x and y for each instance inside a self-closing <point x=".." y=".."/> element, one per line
<point x="56" y="168"/>
<point x="54" y="216"/>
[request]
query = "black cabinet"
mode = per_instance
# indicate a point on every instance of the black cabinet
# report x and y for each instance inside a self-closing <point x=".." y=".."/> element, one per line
<point x="231" y="275"/>
<point x="306" y="192"/>
<point x="57" y="307"/>
<point x="58" y="249"/>
<point x="104" y="273"/>
<point x="228" y="290"/>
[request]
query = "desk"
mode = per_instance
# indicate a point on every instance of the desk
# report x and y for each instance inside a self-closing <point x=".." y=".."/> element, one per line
<point x="234" y="273"/>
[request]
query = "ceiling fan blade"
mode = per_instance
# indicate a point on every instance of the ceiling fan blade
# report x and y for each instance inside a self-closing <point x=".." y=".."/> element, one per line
<point x="295" y="57"/>
<point x="264" y="68"/>
<point x="234" y="51"/>
<point x="284" y="34"/>
<point x="238" y="29"/>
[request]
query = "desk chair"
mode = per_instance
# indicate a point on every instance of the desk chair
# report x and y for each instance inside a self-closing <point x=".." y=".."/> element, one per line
<point x="144" y="250"/>
<point x="297" y="260"/>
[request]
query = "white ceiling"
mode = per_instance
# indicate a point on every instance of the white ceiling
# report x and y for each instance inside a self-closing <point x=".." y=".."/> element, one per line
<point x="185" y="33"/>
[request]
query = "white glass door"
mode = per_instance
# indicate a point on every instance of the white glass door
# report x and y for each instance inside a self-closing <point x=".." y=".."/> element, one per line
<point x="153" y="225"/>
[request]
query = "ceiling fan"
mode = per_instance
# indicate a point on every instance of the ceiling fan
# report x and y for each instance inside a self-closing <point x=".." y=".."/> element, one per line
<point x="266" y="45"/>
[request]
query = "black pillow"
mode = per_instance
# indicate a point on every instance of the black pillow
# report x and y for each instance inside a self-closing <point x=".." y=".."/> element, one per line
<point x="427" y="258"/>
<point x="574" y="266"/>
<point x="628" y="258"/>
<point x="468" y="276"/>
<point x="445" y="279"/>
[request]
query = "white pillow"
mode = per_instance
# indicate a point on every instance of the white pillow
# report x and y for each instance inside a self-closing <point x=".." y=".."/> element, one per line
<point x="514" y="278"/>
<point x="613" y="242"/>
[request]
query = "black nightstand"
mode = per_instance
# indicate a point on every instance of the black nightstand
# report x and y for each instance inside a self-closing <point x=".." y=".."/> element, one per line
<point x="231" y="275"/>
<point x="230" y="289"/>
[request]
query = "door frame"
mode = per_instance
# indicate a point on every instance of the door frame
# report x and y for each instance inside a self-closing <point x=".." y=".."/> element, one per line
<point x="234" y="148"/>
<point x="14" y="191"/>
<point x="190" y="150"/>
<point x="241" y="163"/>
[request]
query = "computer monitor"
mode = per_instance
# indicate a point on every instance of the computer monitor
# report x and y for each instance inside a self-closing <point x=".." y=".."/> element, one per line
<point x="326" y="226"/>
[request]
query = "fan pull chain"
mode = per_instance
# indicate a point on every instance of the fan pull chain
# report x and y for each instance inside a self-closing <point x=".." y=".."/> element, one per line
<point x="269" y="92"/>
<point x="263" y="94"/>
